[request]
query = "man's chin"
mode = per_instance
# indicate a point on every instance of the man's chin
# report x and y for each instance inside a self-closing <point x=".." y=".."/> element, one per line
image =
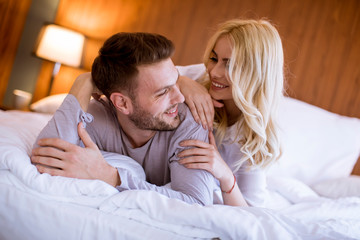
<point x="171" y="125"/>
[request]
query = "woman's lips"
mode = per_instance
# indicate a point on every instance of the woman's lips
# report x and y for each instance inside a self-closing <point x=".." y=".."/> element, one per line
<point x="216" y="85"/>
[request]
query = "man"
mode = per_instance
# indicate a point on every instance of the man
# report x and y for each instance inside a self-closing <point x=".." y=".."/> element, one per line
<point x="143" y="117"/>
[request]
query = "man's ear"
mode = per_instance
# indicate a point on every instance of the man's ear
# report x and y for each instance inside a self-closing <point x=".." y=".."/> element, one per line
<point x="121" y="102"/>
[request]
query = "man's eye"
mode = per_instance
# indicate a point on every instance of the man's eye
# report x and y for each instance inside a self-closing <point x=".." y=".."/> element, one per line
<point x="163" y="92"/>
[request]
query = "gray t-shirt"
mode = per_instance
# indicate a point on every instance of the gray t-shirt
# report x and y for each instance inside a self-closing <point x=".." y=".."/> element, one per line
<point x="158" y="157"/>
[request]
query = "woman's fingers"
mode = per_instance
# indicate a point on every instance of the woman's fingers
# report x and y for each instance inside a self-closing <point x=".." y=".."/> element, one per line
<point x="210" y="112"/>
<point x="194" y="111"/>
<point x="205" y="112"/>
<point x="204" y="166"/>
<point x="217" y="104"/>
<point x="192" y="152"/>
<point x="212" y="139"/>
<point x="201" y="113"/>
<point x="194" y="143"/>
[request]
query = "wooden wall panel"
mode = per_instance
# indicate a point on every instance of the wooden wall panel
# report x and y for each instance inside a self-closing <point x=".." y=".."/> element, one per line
<point x="12" y="19"/>
<point x="321" y="38"/>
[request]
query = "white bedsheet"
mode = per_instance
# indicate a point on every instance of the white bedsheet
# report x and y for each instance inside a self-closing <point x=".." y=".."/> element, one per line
<point x="35" y="206"/>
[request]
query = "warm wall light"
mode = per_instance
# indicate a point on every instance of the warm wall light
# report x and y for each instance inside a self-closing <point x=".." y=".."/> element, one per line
<point x="60" y="45"/>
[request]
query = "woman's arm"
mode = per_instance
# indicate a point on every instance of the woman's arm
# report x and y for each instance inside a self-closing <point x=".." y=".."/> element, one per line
<point x="83" y="88"/>
<point x="198" y="100"/>
<point x="206" y="156"/>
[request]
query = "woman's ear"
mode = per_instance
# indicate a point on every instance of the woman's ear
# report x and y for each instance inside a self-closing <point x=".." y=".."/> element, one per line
<point x="121" y="102"/>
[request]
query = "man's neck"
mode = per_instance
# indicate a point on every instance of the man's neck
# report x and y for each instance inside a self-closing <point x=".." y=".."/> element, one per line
<point x="137" y="137"/>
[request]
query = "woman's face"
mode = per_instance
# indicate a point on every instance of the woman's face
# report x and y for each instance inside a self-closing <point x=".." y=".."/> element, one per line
<point x="220" y="88"/>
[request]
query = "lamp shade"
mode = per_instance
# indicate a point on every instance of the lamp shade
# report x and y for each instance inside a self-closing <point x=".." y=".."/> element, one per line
<point x="59" y="44"/>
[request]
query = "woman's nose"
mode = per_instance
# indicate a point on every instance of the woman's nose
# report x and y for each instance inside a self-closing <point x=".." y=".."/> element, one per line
<point x="217" y="71"/>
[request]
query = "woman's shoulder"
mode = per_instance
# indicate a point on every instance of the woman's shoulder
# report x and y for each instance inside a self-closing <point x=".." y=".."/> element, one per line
<point x="232" y="133"/>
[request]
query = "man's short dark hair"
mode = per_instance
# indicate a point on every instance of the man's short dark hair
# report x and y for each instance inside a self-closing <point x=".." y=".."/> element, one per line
<point x="115" y="68"/>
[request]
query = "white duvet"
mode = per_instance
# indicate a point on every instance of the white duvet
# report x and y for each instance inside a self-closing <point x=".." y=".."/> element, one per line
<point x="35" y="206"/>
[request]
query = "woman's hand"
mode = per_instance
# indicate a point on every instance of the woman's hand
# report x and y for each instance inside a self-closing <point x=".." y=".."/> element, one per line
<point x="207" y="157"/>
<point x="198" y="100"/>
<point x="83" y="89"/>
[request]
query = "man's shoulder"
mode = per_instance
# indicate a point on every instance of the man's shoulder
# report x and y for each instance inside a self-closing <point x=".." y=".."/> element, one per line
<point x="101" y="107"/>
<point x="186" y="115"/>
<point x="188" y="126"/>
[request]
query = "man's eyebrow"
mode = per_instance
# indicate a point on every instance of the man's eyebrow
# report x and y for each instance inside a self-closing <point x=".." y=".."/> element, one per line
<point x="170" y="85"/>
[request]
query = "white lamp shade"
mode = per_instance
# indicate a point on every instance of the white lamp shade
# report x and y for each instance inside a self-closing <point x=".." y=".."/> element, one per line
<point x="62" y="45"/>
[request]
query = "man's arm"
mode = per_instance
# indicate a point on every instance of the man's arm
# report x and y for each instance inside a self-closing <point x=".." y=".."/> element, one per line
<point x="199" y="184"/>
<point x="64" y="123"/>
<point x="130" y="182"/>
<point x="57" y="149"/>
<point x="69" y="160"/>
<point x="61" y="158"/>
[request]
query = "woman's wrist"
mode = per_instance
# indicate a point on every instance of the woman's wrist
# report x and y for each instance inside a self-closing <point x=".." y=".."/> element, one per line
<point x="227" y="184"/>
<point x="82" y="89"/>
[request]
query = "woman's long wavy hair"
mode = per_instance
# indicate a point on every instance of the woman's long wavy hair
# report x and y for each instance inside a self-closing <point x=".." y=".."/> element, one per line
<point x="256" y="71"/>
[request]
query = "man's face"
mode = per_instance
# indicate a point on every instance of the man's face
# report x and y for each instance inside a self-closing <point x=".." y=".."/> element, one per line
<point x="155" y="106"/>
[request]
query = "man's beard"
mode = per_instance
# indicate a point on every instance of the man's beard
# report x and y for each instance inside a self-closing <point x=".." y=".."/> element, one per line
<point x="145" y="121"/>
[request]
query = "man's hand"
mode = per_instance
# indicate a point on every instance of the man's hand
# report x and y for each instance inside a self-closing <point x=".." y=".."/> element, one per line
<point x="60" y="158"/>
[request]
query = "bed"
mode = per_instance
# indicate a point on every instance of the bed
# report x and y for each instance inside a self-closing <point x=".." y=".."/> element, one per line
<point x="311" y="192"/>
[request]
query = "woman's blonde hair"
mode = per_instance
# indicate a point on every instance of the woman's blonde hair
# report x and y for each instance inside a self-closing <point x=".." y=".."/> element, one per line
<point x="256" y="73"/>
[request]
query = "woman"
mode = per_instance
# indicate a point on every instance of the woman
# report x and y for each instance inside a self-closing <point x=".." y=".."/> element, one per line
<point x="244" y="62"/>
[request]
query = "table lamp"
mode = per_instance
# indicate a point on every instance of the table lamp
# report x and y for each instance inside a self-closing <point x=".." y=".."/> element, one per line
<point x="60" y="45"/>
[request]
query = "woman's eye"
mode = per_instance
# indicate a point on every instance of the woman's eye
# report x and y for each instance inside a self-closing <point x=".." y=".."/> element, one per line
<point x="227" y="65"/>
<point x="213" y="59"/>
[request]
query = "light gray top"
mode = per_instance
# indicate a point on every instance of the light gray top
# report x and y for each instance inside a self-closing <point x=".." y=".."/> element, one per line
<point x="158" y="157"/>
<point x="252" y="182"/>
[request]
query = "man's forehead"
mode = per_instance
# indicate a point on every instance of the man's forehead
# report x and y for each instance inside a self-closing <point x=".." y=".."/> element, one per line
<point x="157" y="75"/>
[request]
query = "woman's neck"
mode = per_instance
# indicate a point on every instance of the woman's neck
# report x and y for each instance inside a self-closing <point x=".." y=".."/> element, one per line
<point x="232" y="111"/>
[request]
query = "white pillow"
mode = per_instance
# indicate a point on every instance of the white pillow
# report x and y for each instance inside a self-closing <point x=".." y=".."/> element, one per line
<point x="194" y="71"/>
<point x="291" y="189"/>
<point x="337" y="188"/>
<point x="48" y="104"/>
<point x="317" y="145"/>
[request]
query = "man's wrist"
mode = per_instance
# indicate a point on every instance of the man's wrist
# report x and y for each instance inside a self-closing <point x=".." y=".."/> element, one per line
<point x="110" y="175"/>
<point x="116" y="181"/>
